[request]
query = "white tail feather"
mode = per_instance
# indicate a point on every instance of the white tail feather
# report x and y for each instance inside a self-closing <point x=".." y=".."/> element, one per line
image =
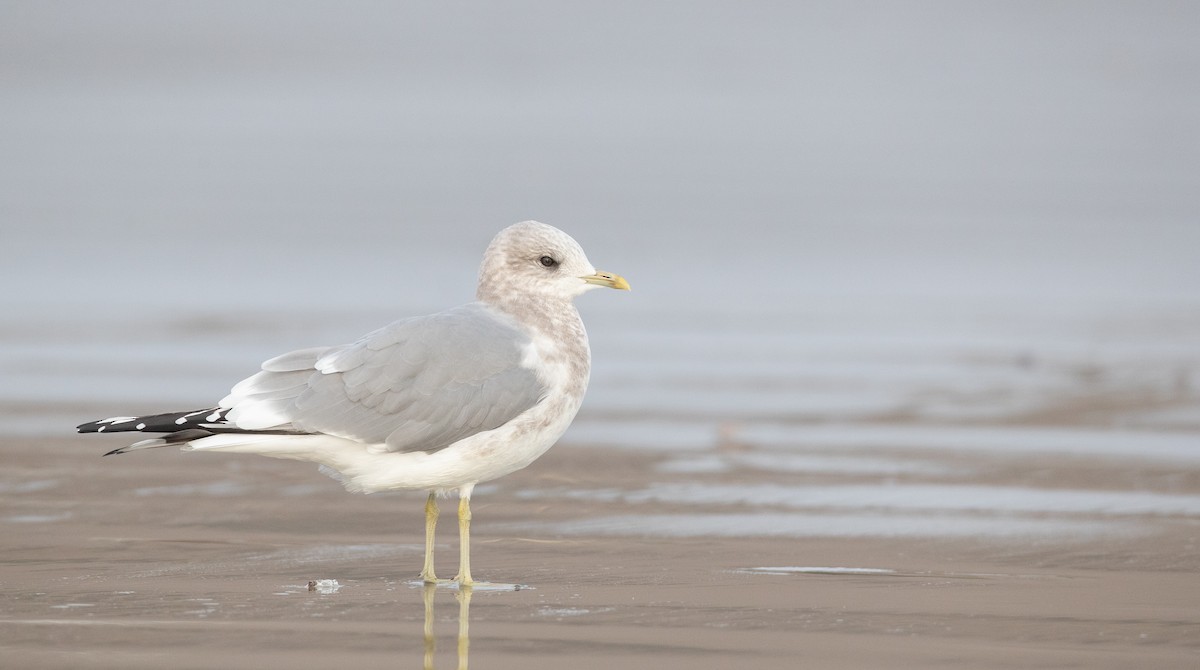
<point x="335" y="452"/>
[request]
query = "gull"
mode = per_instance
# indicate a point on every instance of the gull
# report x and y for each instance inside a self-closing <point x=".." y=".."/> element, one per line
<point x="438" y="403"/>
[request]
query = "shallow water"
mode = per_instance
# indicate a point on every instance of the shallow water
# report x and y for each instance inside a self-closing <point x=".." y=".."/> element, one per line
<point x="834" y="488"/>
<point x="207" y="559"/>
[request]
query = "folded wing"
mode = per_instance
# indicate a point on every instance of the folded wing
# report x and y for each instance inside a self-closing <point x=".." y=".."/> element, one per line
<point x="419" y="384"/>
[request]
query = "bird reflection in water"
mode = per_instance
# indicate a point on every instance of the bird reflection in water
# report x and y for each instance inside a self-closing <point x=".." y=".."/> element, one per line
<point x="463" y="595"/>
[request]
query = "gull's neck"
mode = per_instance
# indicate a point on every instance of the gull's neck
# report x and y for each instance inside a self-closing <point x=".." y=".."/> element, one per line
<point x="539" y="313"/>
<point x="553" y="324"/>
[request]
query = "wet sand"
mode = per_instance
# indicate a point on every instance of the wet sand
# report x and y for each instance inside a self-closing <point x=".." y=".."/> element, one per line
<point x="164" y="559"/>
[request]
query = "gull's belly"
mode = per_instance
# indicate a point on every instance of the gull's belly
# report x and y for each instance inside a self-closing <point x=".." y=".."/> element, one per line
<point x="479" y="458"/>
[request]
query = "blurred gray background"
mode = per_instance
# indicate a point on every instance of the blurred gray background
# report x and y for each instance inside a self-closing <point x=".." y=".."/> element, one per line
<point x="253" y="151"/>
<point x="327" y="167"/>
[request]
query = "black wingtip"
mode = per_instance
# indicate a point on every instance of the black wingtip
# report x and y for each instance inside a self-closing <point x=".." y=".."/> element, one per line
<point x="171" y="422"/>
<point x="115" y="451"/>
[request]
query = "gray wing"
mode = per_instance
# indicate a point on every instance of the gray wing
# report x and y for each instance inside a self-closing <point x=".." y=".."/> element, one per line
<point x="417" y="385"/>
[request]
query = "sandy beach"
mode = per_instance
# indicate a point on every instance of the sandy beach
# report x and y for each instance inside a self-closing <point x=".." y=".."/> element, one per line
<point x="204" y="561"/>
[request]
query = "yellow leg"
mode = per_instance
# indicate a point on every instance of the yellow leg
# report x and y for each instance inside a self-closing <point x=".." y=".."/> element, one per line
<point x="431" y="517"/>
<point x="464" y="542"/>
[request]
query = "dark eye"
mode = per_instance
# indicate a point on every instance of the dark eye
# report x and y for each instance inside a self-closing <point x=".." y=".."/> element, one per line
<point x="547" y="261"/>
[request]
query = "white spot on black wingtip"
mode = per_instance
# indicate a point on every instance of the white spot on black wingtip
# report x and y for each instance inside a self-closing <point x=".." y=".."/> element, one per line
<point x="101" y="429"/>
<point x="140" y="426"/>
<point x="215" y="416"/>
<point x="181" y="420"/>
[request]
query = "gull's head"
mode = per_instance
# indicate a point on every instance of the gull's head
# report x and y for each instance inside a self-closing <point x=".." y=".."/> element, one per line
<point x="531" y="258"/>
